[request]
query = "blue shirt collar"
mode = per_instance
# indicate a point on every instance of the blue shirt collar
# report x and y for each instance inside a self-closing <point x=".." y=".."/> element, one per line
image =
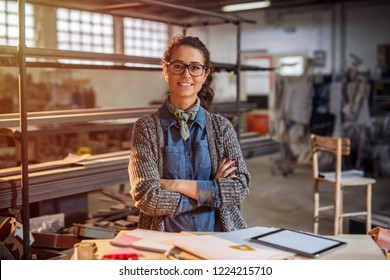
<point x="167" y="119"/>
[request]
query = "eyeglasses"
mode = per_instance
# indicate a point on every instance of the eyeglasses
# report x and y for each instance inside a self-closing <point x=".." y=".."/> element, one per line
<point x="178" y="68"/>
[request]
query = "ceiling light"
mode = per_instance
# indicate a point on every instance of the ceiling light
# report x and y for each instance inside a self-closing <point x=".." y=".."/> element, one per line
<point x="246" y="6"/>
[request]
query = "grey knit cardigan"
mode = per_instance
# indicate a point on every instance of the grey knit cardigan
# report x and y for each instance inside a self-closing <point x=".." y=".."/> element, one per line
<point x="146" y="169"/>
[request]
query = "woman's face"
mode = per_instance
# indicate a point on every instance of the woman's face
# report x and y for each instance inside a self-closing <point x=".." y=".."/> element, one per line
<point x="184" y="87"/>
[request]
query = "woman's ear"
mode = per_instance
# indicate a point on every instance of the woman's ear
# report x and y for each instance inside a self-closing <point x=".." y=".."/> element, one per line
<point x="206" y="74"/>
<point x="165" y="73"/>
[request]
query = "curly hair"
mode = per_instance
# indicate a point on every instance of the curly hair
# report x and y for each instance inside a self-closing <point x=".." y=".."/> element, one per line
<point x="206" y="93"/>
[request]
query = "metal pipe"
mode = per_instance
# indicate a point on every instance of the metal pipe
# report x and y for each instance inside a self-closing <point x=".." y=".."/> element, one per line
<point x="91" y="66"/>
<point x="66" y="54"/>
<point x="343" y="48"/>
<point x="238" y="75"/>
<point x="333" y="41"/>
<point x="77" y="117"/>
<point x="23" y="129"/>
<point x="54" y="53"/>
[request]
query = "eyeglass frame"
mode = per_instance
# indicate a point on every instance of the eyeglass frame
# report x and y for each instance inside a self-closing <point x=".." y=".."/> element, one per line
<point x="186" y="66"/>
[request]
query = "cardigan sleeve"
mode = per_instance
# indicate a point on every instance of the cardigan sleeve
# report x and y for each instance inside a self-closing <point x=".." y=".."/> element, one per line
<point x="232" y="191"/>
<point x="144" y="173"/>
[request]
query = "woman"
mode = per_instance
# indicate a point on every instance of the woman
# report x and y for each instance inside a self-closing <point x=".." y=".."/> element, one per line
<point x="186" y="169"/>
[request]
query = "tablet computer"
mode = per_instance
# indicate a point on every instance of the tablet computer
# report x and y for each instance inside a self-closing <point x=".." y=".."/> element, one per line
<point x="302" y="243"/>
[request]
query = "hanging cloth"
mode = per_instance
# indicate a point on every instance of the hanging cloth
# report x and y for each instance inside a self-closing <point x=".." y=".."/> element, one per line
<point x="183" y="116"/>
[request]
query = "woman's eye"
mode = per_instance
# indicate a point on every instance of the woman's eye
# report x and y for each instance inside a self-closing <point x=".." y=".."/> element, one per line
<point x="195" y="67"/>
<point x="178" y="66"/>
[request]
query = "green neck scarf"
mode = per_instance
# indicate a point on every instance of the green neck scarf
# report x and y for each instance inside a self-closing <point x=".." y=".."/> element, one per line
<point x="183" y="116"/>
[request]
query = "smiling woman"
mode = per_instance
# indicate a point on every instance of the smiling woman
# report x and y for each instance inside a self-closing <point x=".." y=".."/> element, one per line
<point x="184" y="85"/>
<point x="191" y="54"/>
<point x="186" y="168"/>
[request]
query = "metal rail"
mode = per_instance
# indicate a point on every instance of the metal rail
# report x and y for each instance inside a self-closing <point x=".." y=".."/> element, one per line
<point x="80" y="55"/>
<point x="8" y="55"/>
<point x="23" y="130"/>
<point x="75" y="116"/>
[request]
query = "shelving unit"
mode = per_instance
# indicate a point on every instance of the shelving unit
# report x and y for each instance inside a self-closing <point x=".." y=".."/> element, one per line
<point x="16" y="57"/>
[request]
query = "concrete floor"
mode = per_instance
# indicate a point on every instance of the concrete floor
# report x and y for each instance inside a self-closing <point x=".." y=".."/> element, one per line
<point x="286" y="201"/>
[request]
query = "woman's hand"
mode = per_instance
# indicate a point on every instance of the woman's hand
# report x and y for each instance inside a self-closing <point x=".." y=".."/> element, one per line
<point x="225" y="169"/>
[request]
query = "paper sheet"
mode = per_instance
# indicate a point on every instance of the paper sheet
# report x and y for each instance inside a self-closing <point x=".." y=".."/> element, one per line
<point x="211" y="247"/>
<point x="150" y="240"/>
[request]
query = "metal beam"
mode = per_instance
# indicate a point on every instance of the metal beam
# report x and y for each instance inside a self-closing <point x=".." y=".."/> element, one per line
<point x="23" y="129"/>
<point x="10" y="52"/>
<point x="75" y="116"/>
<point x="227" y="18"/>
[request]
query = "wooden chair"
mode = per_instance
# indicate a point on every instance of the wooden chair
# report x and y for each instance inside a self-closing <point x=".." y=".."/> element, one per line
<point x="337" y="147"/>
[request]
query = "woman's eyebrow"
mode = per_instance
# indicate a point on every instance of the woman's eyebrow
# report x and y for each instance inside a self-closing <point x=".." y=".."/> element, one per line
<point x="192" y="62"/>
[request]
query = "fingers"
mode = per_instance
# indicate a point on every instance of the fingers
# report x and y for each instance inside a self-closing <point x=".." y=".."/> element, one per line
<point x="222" y="163"/>
<point x="225" y="169"/>
<point x="229" y="171"/>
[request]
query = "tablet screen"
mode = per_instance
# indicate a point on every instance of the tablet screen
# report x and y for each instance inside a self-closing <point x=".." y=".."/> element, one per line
<point x="299" y="242"/>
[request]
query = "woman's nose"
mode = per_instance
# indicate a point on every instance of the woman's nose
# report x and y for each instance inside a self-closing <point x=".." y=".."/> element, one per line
<point x="187" y="72"/>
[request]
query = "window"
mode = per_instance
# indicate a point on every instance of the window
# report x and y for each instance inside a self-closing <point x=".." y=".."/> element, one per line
<point x="93" y="32"/>
<point x="9" y="31"/>
<point x="84" y="31"/>
<point x="144" y="38"/>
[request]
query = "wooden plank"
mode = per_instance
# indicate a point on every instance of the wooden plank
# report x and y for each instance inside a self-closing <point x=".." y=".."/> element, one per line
<point x="86" y="231"/>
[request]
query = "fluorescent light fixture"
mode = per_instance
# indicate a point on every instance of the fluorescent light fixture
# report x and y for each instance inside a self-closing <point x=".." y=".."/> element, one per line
<point x="246" y="6"/>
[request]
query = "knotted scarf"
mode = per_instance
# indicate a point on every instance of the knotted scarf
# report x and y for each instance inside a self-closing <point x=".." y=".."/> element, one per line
<point x="184" y="116"/>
